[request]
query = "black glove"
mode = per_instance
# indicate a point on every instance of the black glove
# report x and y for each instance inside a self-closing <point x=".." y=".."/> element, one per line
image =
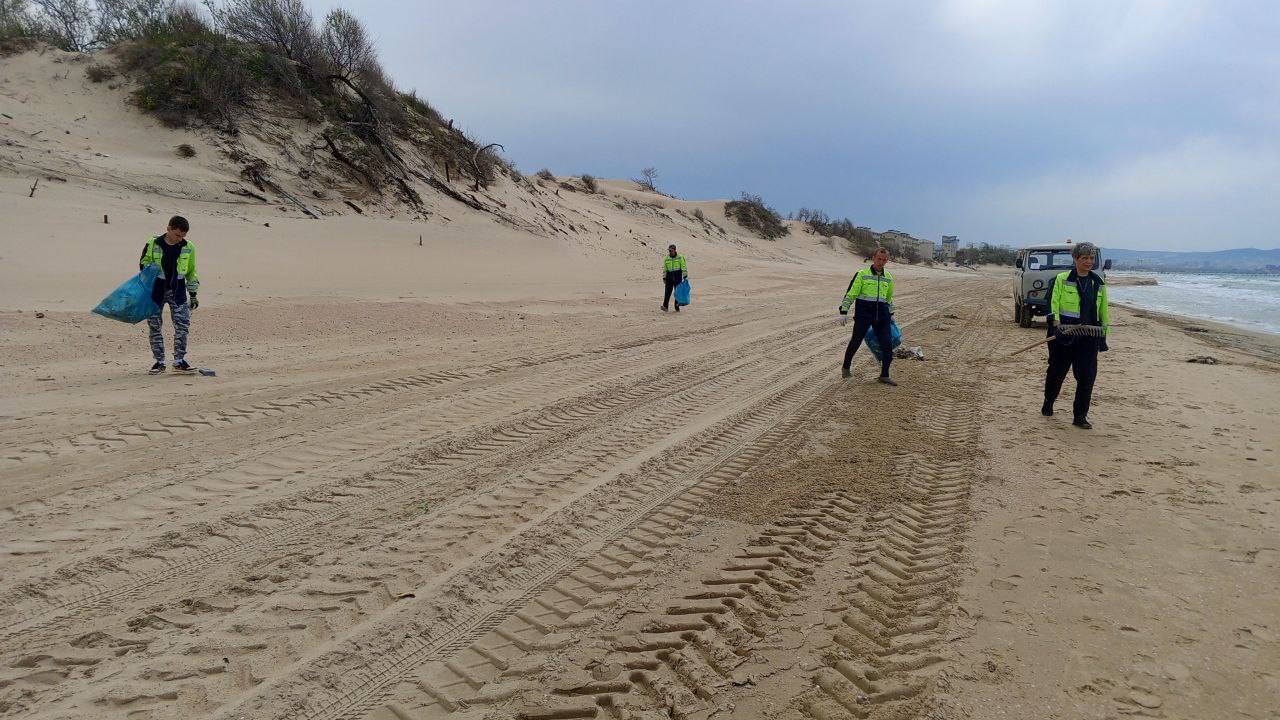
<point x="1102" y="345"/>
<point x="844" y="311"/>
<point x="195" y="301"/>
<point x="1060" y="332"/>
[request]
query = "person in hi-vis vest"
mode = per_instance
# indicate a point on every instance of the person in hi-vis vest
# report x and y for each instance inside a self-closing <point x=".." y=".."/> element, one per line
<point x="1078" y="297"/>
<point x="870" y="294"/>
<point x="176" y="287"/>
<point x="674" y="272"/>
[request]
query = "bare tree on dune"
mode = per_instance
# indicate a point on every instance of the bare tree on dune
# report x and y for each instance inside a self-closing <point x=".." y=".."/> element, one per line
<point x="68" y="23"/>
<point x="282" y="25"/>
<point x="119" y="20"/>
<point x="648" y="179"/>
<point x="346" y="45"/>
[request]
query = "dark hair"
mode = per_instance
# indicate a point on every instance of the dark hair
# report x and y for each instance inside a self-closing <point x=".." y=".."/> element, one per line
<point x="177" y="222"/>
<point x="1084" y="249"/>
<point x="671" y="247"/>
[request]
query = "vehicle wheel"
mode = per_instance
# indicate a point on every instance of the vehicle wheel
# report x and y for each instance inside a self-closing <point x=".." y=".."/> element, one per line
<point x="1017" y="312"/>
<point x="1025" y="315"/>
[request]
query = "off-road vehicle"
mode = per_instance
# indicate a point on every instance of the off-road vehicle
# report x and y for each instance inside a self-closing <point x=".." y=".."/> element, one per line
<point x="1033" y="275"/>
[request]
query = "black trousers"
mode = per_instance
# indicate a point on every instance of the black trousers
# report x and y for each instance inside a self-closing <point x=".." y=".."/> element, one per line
<point x="671" y="280"/>
<point x="1081" y="356"/>
<point x="880" y="325"/>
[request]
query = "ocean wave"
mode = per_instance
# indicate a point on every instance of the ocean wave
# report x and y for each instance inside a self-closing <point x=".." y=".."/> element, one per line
<point x="1247" y="301"/>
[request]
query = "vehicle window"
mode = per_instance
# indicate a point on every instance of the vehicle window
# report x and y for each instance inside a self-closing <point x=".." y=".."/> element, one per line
<point x="1046" y="259"/>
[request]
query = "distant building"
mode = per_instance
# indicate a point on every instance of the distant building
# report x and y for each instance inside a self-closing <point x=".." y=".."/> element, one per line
<point x="898" y="242"/>
<point x="924" y="248"/>
<point x="950" y="244"/>
<point x="895" y="240"/>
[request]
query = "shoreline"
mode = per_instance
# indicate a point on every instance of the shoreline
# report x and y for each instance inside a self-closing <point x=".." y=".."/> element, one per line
<point x="1252" y="309"/>
<point x="1224" y="335"/>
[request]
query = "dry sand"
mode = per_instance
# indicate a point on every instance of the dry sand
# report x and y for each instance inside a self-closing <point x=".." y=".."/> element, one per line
<point x="487" y="477"/>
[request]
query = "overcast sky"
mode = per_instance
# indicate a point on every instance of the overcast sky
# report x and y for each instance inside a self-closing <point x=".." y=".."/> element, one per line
<point x="1143" y="124"/>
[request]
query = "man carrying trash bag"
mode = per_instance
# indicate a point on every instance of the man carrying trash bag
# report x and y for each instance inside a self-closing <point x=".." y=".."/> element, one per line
<point x="870" y="294"/>
<point x="674" y="272"/>
<point x="176" y="257"/>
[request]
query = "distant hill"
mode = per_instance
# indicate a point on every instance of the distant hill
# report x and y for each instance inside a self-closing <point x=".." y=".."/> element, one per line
<point x="1245" y="260"/>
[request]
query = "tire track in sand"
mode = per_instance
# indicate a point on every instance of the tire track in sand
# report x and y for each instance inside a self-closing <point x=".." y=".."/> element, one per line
<point x="363" y="676"/>
<point x="446" y="423"/>
<point x="886" y="643"/>
<point x="105" y="439"/>
<point x="684" y="662"/>
<point x="298" y="517"/>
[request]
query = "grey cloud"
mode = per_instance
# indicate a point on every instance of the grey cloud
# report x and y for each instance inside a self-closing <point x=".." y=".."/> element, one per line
<point x="960" y="117"/>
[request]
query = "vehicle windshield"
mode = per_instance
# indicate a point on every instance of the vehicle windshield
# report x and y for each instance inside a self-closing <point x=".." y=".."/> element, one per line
<point x="1046" y="259"/>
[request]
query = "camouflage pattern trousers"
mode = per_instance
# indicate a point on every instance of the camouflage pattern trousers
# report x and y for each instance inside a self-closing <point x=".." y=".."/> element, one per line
<point x="181" y="314"/>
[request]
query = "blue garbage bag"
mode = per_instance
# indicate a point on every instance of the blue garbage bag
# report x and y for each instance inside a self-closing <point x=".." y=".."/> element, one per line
<point x="682" y="293"/>
<point x="131" y="302"/>
<point x="895" y="339"/>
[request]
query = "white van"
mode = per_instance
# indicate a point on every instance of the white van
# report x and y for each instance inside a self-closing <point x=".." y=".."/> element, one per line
<point x="1034" y="271"/>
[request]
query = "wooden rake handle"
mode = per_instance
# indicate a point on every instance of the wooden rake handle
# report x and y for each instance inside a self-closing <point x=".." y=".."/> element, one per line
<point x="1035" y="344"/>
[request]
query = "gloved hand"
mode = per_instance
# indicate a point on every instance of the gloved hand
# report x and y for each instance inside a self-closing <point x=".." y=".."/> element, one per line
<point x="195" y="301"/>
<point x="1060" y="332"/>
<point x="685" y="278"/>
<point x="1102" y="345"/>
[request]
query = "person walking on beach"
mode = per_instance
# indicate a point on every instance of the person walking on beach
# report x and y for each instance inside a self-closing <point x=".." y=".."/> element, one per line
<point x="870" y="294"/>
<point x="1077" y="297"/>
<point x="176" y="256"/>
<point x="674" y="272"/>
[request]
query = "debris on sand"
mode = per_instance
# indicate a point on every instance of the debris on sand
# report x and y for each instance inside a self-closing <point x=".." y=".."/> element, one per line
<point x="1132" y="280"/>
<point x="909" y="352"/>
<point x="1203" y="360"/>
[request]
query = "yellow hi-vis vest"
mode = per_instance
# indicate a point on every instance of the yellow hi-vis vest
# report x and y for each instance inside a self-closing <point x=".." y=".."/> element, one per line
<point x="869" y="286"/>
<point x="1064" y="304"/>
<point x="671" y="264"/>
<point x="152" y="255"/>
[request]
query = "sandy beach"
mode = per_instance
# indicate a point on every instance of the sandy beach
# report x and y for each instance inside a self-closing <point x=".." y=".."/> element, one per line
<point x="485" y="476"/>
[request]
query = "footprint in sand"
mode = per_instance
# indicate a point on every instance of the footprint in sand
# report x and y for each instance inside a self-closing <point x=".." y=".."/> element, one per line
<point x="1144" y="699"/>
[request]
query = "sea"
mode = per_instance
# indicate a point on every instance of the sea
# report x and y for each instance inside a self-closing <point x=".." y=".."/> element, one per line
<point x="1251" y="302"/>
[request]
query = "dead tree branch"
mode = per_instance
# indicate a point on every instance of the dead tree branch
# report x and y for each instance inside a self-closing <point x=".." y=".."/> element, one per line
<point x="260" y="180"/>
<point x="342" y="158"/>
<point x="475" y="164"/>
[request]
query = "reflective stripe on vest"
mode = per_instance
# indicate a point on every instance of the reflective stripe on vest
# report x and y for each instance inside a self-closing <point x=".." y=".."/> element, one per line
<point x="156" y="255"/>
<point x="671" y="264"/>
<point x="875" y="288"/>
<point x="1066" y="298"/>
